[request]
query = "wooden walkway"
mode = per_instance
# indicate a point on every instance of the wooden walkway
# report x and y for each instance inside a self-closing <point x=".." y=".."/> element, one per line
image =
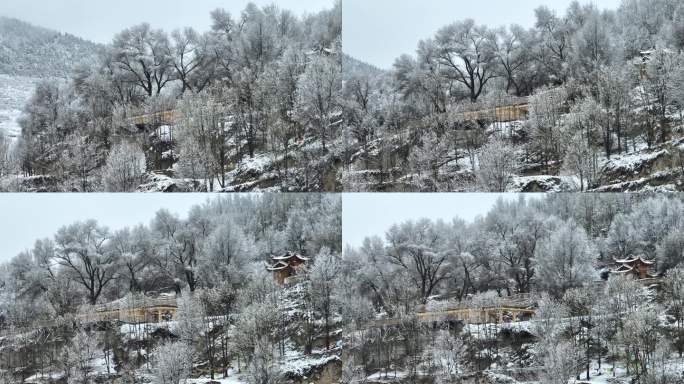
<point x="148" y="311"/>
<point x="494" y="315"/>
<point x="153" y="314"/>
<point x="500" y="114"/>
<point x="156" y="118"/>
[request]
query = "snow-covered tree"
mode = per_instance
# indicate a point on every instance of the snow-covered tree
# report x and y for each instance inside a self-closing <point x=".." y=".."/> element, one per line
<point x="642" y="230"/>
<point x="124" y="168"/>
<point x="178" y="251"/>
<point x="516" y="232"/>
<point x="564" y="260"/>
<point x="545" y="110"/>
<point x="189" y="317"/>
<point x="203" y="134"/>
<point x="640" y="337"/>
<point x="466" y="52"/>
<point x="674" y="290"/>
<point x="143" y="55"/>
<point x="78" y="357"/>
<point x="591" y="45"/>
<point x="135" y="251"/>
<point x="661" y="71"/>
<point x="549" y="316"/>
<point x="323" y="275"/>
<point x="80" y="250"/>
<point x="670" y="251"/>
<point x="430" y="157"/>
<point x="560" y="361"/>
<point x="224" y="254"/>
<point x="555" y="45"/>
<point x="172" y="362"/>
<point x="6" y="155"/>
<point x="614" y="87"/>
<point x="262" y="367"/>
<point x="514" y="51"/>
<point x="258" y="316"/>
<point x="192" y="59"/>
<point x="449" y="356"/>
<point x="83" y="161"/>
<point x="319" y="92"/>
<point x="581" y="160"/>
<point x="416" y="248"/>
<point x="497" y="164"/>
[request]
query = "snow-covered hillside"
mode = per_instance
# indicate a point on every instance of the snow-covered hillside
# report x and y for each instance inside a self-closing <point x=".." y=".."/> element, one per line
<point x="597" y="112"/>
<point x="219" y="315"/>
<point x="28" y="50"/>
<point x="180" y="121"/>
<point x="29" y="53"/>
<point x="15" y="91"/>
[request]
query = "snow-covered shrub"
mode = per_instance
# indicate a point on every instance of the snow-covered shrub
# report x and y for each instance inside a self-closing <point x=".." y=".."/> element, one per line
<point x="261" y="366"/>
<point x="497" y="164"/>
<point x="172" y="362"/>
<point x="124" y="168"/>
<point x="77" y="358"/>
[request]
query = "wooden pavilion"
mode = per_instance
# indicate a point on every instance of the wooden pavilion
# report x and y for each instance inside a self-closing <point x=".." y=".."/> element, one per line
<point x="286" y="266"/>
<point x="637" y="267"/>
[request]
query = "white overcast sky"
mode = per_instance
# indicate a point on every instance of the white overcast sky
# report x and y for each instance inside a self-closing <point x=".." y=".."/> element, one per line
<point x="378" y="31"/>
<point x="99" y="20"/>
<point x="25" y="217"/>
<point x="370" y="214"/>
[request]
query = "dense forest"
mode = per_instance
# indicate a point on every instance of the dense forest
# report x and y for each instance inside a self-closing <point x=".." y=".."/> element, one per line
<point x="587" y="99"/>
<point x="29" y="54"/>
<point x="555" y="253"/>
<point x="231" y="314"/>
<point x="253" y="103"/>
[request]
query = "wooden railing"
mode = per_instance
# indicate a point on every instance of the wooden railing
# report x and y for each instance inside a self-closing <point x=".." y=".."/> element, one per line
<point x="155" y="314"/>
<point x="147" y="311"/>
<point x="143" y="302"/>
<point x="162" y="118"/>
<point x="501" y="114"/>
<point x="144" y="310"/>
<point x="478" y="316"/>
<point x="496" y="315"/>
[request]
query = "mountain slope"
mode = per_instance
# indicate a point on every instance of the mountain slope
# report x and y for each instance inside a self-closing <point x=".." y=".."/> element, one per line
<point x="28" y="50"/>
<point x="29" y="53"/>
<point x="352" y="66"/>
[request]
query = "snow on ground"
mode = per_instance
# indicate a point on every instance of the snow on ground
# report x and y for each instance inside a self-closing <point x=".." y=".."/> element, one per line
<point x="258" y="163"/>
<point x="633" y="162"/>
<point x="164" y="133"/>
<point x="648" y="183"/>
<point x="544" y="183"/>
<point x="98" y="367"/>
<point x="465" y="164"/>
<point x="138" y="332"/>
<point x="509" y="129"/>
<point x="15" y="92"/>
<point x="99" y="364"/>
<point x="9" y="122"/>
<point x="298" y="364"/>
<point x="485" y="331"/>
<point x="228" y="380"/>
<point x="157" y="182"/>
<point x="389" y="377"/>
<point x="42" y="377"/>
<point x="605" y="374"/>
